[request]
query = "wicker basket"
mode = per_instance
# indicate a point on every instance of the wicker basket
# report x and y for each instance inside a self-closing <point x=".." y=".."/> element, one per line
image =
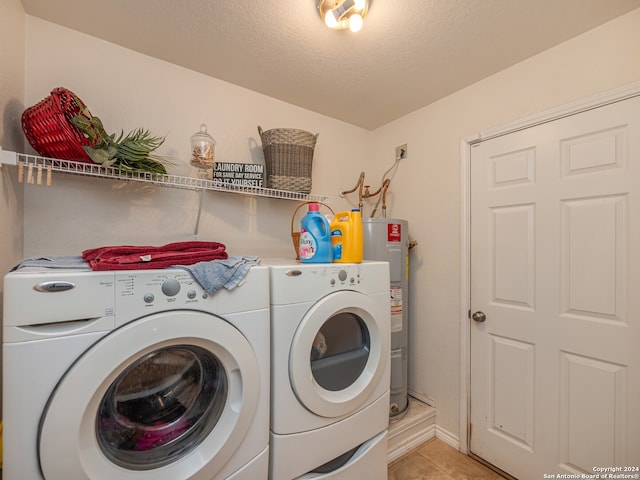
<point x="295" y="235"/>
<point x="288" y="155"/>
<point x="48" y="128"/>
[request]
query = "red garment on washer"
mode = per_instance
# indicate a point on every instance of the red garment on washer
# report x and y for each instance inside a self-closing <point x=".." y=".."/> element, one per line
<point x="127" y="257"/>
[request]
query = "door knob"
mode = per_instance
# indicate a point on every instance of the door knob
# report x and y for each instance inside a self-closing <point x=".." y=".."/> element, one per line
<point x="479" y="317"/>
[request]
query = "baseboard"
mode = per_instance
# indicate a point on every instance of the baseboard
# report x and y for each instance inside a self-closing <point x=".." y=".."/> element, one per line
<point x="416" y="427"/>
<point x="412" y="430"/>
<point x="447" y="437"/>
<point x="423" y="398"/>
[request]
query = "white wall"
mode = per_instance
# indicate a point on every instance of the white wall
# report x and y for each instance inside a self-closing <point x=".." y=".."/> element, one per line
<point x="12" y="53"/>
<point x="129" y="90"/>
<point x="11" y="106"/>
<point x="426" y="189"/>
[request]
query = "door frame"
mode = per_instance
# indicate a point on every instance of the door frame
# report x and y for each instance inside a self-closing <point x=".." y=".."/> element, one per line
<point x="466" y="144"/>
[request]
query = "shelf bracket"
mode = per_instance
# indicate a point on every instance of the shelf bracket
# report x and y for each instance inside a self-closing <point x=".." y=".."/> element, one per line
<point x="200" y="203"/>
<point x="8" y="158"/>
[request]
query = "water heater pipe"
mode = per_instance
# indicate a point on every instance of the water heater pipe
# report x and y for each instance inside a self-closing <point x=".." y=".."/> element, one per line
<point x="359" y="185"/>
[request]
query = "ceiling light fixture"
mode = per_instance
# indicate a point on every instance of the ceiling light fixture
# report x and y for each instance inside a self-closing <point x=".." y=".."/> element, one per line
<point x="343" y="14"/>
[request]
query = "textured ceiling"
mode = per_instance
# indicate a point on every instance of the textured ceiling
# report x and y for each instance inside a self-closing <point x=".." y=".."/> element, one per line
<point x="409" y="53"/>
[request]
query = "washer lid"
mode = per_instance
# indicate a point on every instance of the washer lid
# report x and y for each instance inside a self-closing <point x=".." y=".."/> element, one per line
<point x="339" y="353"/>
<point x="169" y="396"/>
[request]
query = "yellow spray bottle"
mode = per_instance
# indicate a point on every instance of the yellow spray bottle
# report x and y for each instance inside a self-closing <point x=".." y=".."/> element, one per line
<point x="346" y="237"/>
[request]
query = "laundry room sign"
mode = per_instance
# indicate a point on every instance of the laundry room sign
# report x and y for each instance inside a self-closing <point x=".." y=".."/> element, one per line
<point x="240" y="174"/>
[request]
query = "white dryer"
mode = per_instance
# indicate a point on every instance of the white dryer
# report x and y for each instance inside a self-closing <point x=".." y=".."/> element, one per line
<point x="330" y="347"/>
<point x="134" y="375"/>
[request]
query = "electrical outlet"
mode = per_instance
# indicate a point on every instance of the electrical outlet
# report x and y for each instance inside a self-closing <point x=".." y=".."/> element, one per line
<point x="401" y="152"/>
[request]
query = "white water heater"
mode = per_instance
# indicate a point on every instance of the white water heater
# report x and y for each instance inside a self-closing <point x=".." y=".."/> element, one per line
<point x="387" y="239"/>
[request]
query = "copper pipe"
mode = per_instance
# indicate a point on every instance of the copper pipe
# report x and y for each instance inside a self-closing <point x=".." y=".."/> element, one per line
<point x="358" y="187"/>
<point x="368" y="194"/>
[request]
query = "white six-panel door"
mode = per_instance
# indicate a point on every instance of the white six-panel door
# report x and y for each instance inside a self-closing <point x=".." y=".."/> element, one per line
<point x="555" y="269"/>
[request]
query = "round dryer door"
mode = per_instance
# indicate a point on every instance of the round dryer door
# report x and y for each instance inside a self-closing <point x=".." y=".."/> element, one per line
<point x="339" y="354"/>
<point x="169" y="396"/>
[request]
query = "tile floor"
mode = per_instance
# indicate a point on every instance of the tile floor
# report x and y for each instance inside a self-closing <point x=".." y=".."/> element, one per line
<point x="436" y="460"/>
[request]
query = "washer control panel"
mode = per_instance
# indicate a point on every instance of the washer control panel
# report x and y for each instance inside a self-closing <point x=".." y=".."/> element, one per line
<point x="158" y="290"/>
<point x="335" y="275"/>
<point x="344" y="277"/>
<point x="304" y="282"/>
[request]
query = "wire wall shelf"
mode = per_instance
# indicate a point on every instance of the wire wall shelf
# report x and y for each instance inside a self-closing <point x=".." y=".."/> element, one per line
<point x="36" y="169"/>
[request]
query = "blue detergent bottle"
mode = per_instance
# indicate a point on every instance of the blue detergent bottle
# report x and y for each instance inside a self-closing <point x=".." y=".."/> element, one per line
<point x="315" y="237"/>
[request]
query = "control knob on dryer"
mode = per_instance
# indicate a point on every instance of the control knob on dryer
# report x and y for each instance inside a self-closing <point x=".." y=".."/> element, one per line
<point x="170" y="287"/>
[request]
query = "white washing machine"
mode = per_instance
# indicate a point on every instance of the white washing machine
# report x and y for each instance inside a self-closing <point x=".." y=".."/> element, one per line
<point x="134" y="375"/>
<point x="330" y="349"/>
